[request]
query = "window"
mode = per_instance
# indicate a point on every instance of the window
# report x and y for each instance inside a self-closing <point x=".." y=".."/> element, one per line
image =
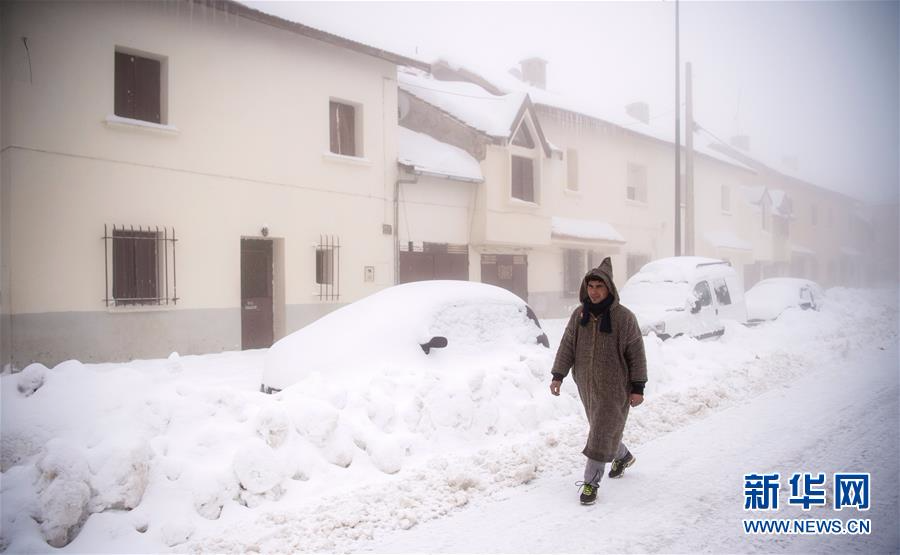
<point x="722" y="294"/>
<point x="634" y="262"/>
<point x="328" y="267"/>
<point x="343" y="129"/>
<point x="726" y="199"/>
<point x="636" y="183"/>
<point x="702" y="294"/>
<point x="325" y="266"/>
<point x="573" y="271"/>
<point x="138" y="87"/>
<point x="523" y="178"/>
<point x="814" y="216"/>
<point x="765" y="210"/>
<point x="572" y="169"/>
<point x="140" y="266"/>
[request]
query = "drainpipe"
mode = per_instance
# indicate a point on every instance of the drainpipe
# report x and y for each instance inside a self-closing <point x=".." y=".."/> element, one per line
<point x="400" y="180"/>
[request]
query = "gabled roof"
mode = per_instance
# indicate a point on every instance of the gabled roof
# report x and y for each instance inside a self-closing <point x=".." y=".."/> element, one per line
<point x="501" y="82"/>
<point x="496" y="116"/>
<point x="256" y="11"/>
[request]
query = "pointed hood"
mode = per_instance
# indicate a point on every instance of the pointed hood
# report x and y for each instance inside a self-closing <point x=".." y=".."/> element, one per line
<point x="605" y="272"/>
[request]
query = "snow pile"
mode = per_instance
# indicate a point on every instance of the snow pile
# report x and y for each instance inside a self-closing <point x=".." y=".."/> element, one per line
<point x="430" y="156"/>
<point x="146" y="457"/>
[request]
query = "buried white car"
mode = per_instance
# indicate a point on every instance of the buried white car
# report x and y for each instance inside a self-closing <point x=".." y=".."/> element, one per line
<point x="685" y="295"/>
<point x="440" y="325"/>
<point x="770" y="297"/>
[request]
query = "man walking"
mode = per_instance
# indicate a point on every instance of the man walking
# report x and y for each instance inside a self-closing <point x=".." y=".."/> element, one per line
<point x="604" y="348"/>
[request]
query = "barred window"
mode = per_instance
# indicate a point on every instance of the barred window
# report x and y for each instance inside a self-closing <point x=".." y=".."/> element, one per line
<point x="328" y="267"/>
<point x="140" y="266"/>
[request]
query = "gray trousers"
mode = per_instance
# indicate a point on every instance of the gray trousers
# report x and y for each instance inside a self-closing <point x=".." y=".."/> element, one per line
<point x="594" y="470"/>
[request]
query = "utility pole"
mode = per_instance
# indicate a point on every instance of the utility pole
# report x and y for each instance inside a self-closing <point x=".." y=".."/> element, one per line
<point x="677" y="140"/>
<point x="689" y="213"/>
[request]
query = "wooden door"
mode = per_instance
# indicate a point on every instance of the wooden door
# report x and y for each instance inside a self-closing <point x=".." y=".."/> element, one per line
<point x="509" y="271"/>
<point x="257" y="324"/>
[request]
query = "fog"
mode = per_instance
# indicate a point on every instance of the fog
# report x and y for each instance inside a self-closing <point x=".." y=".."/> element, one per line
<point x="813" y="81"/>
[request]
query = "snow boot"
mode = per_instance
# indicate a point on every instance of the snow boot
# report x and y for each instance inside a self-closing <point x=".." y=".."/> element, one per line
<point x="619" y="465"/>
<point x="588" y="494"/>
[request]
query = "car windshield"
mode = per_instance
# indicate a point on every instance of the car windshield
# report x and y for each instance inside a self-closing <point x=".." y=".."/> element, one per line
<point x="659" y="293"/>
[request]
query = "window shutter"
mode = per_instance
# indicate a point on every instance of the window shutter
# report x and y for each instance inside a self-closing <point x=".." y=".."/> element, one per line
<point x="333" y="124"/>
<point x="518" y="190"/>
<point x="145" y="264"/>
<point x="527" y="180"/>
<point x="125" y="86"/>
<point x="147" y="86"/>
<point x="123" y="267"/>
<point x="347" y="129"/>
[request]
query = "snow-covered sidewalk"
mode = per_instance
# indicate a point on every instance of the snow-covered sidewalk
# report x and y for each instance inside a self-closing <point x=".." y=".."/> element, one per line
<point x="685" y="493"/>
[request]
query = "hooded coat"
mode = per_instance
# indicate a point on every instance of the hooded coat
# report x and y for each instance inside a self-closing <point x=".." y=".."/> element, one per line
<point x="604" y="366"/>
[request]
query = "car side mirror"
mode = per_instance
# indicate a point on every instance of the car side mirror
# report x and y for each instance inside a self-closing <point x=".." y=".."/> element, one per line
<point x="695" y="306"/>
<point x="436" y="342"/>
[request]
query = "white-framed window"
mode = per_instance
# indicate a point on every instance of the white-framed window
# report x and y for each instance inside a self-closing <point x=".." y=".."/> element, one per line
<point x="572" y="169"/>
<point x="766" y="212"/>
<point x="345" y="128"/>
<point x="636" y="182"/>
<point x="140" y="90"/>
<point x="726" y="198"/>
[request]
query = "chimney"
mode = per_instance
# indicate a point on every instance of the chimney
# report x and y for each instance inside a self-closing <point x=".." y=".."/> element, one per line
<point x="639" y="111"/>
<point x="534" y="72"/>
<point x="741" y="142"/>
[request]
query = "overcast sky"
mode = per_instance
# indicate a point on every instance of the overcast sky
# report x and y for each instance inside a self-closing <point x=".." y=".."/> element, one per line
<point x="819" y="81"/>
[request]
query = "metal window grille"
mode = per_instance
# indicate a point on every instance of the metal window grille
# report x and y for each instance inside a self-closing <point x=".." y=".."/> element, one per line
<point x="328" y="267"/>
<point x="139" y="265"/>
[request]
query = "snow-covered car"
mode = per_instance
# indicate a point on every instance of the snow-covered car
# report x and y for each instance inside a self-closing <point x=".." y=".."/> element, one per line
<point x="685" y="295"/>
<point x="439" y="324"/>
<point x="769" y="298"/>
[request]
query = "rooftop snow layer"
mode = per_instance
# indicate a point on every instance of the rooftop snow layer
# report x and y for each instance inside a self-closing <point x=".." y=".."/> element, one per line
<point x="474" y="106"/>
<point x="595" y="230"/>
<point x="429" y="156"/>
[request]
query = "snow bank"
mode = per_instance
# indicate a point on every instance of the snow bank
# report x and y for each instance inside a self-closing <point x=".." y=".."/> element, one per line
<point x="112" y="458"/>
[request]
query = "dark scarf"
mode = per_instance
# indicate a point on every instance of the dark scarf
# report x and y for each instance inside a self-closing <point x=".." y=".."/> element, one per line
<point x="600" y="310"/>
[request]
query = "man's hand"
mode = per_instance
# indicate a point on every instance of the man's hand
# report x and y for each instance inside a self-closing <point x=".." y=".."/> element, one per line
<point x="554" y="387"/>
<point x="636" y="399"/>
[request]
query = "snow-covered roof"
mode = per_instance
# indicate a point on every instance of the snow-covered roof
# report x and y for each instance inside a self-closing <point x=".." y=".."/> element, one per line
<point x="590" y="230"/>
<point x="283" y="15"/>
<point x="426" y="155"/>
<point x="505" y="82"/>
<point x="493" y="115"/>
<point x="726" y="239"/>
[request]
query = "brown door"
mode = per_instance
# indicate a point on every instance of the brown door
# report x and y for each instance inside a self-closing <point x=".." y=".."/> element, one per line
<point x="257" y="327"/>
<point x="509" y="271"/>
<point x="437" y="261"/>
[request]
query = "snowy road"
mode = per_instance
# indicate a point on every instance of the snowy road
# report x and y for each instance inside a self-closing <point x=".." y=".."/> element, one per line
<point x="685" y="492"/>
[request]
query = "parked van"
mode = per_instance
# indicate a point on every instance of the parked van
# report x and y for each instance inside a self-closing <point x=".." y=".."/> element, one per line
<point x="685" y="295"/>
